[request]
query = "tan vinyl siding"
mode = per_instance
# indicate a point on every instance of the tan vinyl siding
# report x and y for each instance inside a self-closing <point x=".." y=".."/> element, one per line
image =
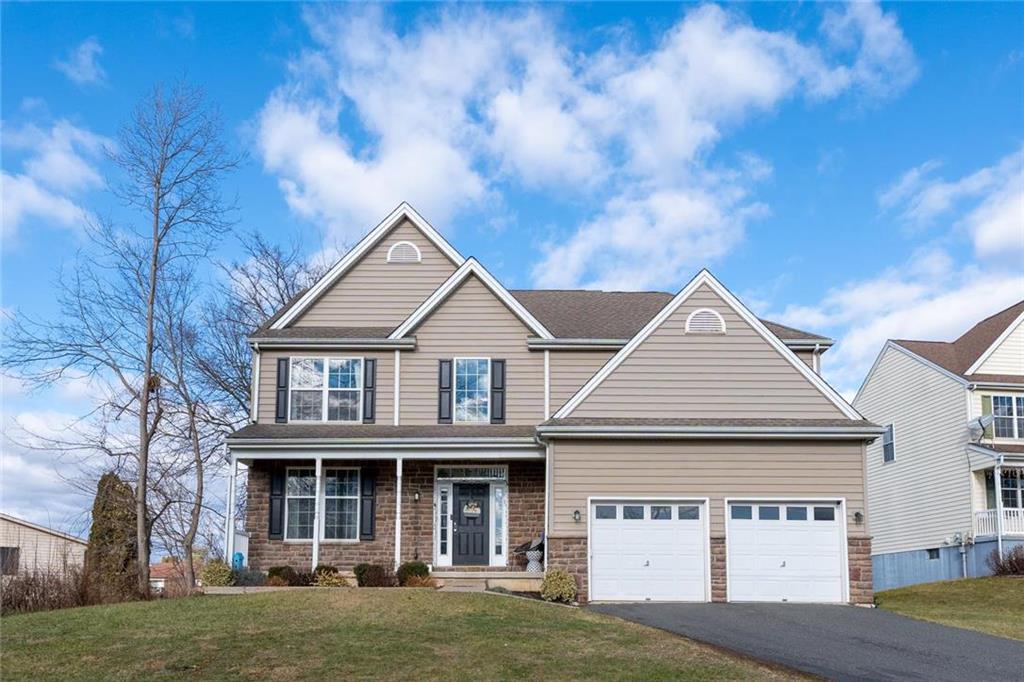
<point x="717" y="469"/>
<point x="472" y="323"/>
<point x="1008" y="358"/>
<point x="807" y="356"/>
<point x="737" y="374"/>
<point x="385" y="381"/>
<point x="375" y="293"/>
<point x="570" y="369"/>
<point x="924" y="495"/>
<point x="40" y="550"/>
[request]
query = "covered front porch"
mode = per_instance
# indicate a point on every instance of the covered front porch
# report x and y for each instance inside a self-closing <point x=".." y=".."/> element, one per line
<point x="999" y="496"/>
<point x="459" y="512"/>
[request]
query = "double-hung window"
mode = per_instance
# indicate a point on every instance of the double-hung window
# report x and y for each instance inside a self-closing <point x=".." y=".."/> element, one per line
<point x="326" y="389"/>
<point x="889" y="444"/>
<point x="339" y="500"/>
<point x="472" y="390"/>
<point x="1008" y="414"/>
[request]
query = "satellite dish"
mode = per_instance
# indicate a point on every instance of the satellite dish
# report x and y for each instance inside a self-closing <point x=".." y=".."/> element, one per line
<point x="979" y="425"/>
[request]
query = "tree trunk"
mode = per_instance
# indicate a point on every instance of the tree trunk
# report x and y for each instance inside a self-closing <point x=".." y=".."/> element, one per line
<point x="197" y="502"/>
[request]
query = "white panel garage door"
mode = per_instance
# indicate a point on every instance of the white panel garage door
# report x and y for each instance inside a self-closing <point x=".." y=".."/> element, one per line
<point x="648" y="551"/>
<point x="785" y="551"/>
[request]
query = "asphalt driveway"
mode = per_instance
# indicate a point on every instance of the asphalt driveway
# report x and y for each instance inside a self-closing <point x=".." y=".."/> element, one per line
<point x="838" y="642"/>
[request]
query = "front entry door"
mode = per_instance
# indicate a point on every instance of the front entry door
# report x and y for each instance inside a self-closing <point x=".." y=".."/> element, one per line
<point x="472" y="501"/>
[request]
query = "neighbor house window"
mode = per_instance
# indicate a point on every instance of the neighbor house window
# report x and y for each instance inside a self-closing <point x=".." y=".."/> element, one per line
<point x="1008" y="413"/>
<point x="341" y="504"/>
<point x="300" y="501"/>
<point x="889" y="444"/>
<point x="9" y="560"/>
<point x="326" y="389"/>
<point x="472" y="390"/>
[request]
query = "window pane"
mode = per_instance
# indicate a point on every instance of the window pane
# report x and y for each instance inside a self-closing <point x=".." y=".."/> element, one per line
<point x="307" y="405"/>
<point x="499" y="520"/>
<point x="796" y="513"/>
<point x="768" y="513"/>
<point x="300" y="518"/>
<point x="933" y="554"/>
<point x="689" y="512"/>
<point x="742" y="511"/>
<point x="341" y="483"/>
<point x="632" y="512"/>
<point x="307" y="373"/>
<point x="301" y="482"/>
<point x="340" y="520"/>
<point x="661" y="513"/>
<point x="472" y="390"/>
<point x="1002" y="410"/>
<point x="344" y="373"/>
<point x="605" y="511"/>
<point x="343" y="406"/>
<point x="824" y="514"/>
<point x="443" y="522"/>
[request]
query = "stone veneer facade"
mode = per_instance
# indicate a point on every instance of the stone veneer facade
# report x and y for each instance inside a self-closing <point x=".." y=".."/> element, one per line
<point x="570" y="554"/>
<point x="525" y="516"/>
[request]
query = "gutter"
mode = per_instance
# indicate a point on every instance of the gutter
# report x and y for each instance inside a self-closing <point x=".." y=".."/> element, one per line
<point x="376" y="443"/>
<point x="408" y="343"/>
<point x="869" y="433"/>
<point x="995" y="384"/>
<point x="821" y="344"/>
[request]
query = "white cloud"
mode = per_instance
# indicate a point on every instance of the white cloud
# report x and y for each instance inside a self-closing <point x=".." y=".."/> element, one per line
<point x="60" y="165"/>
<point x="82" y="63"/>
<point x="372" y="115"/>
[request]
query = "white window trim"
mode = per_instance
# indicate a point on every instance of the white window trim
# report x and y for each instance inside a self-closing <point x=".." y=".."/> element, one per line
<point x="689" y="318"/>
<point x="419" y="254"/>
<point x="325" y="389"/>
<point x="455" y="397"/>
<point x="448" y="484"/>
<point x="884" y="460"/>
<point x="323" y="505"/>
<point x="442" y="560"/>
<point x="1015" y="416"/>
<point x="319" y="521"/>
<point x="495" y="559"/>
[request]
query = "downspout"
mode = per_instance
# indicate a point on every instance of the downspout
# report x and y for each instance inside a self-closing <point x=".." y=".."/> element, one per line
<point x="816" y="359"/>
<point x="999" y="506"/>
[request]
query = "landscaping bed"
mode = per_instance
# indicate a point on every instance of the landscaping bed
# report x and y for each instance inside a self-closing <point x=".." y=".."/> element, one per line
<point x="343" y="633"/>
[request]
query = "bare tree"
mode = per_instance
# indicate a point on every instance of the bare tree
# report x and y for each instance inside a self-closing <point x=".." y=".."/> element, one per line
<point x="171" y="159"/>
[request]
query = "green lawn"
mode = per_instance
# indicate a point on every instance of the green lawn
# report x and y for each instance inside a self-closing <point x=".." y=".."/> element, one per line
<point x="352" y="633"/>
<point x="992" y="605"/>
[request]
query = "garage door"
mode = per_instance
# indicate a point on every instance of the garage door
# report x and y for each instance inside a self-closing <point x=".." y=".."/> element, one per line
<point x="785" y="551"/>
<point x="648" y="551"/>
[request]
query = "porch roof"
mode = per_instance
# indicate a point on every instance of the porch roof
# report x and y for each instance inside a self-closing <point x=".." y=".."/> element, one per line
<point x="732" y="427"/>
<point x="383" y="433"/>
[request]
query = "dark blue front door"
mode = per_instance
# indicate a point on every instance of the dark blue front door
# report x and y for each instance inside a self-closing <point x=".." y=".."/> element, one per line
<point x="472" y="501"/>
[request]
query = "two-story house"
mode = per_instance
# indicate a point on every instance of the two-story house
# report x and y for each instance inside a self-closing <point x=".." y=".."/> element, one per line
<point x="946" y="481"/>
<point x="665" y="447"/>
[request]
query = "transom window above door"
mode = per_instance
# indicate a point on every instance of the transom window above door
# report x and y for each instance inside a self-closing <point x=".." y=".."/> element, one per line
<point x="472" y="390"/>
<point x="325" y="389"/>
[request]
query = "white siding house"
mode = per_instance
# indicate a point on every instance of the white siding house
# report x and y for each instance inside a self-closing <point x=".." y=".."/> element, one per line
<point x="26" y="547"/>
<point x="947" y="491"/>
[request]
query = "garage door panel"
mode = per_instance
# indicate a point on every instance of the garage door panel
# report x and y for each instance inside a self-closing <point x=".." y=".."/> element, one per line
<point x="659" y="557"/>
<point x="781" y="553"/>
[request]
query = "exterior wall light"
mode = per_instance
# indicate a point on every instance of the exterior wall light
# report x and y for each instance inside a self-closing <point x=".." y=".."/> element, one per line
<point x="416" y="496"/>
<point x="576" y="516"/>
<point x="858" y="518"/>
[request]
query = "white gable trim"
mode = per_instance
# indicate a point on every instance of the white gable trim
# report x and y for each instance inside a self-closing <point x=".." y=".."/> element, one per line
<point x="470" y="267"/>
<point x="998" y="342"/>
<point x="705" y="277"/>
<point x="404" y="211"/>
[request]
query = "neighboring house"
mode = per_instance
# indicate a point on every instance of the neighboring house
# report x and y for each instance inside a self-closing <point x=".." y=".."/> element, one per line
<point x="938" y="477"/>
<point x="168" y="577"/>
<point x="668" y="447"/>
<point x="27" y="548"/>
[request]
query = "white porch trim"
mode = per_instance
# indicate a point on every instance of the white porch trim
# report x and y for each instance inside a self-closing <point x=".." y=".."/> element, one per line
<point x="229" y="522"/>
<point x="398" y="512"/>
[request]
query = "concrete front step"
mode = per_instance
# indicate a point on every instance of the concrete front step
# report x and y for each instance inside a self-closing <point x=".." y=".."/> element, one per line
<point x="478" y="581"/>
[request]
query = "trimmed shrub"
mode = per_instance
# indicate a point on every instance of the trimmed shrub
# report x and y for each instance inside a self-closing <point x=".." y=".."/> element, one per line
<point x="1011" y="563"/>
<point x="217" y="574"/>
<point x="412" y="569"/>
<point x="302" y="579"/>
<point x="276" y="581"/>
<point x="324" y="568"/>
<point x="558" y="586"/>
<point x="285" y="573"/>
<point x="372" y="575"/>
<point x="421" y="581"/>
<point x="249" y="577"/>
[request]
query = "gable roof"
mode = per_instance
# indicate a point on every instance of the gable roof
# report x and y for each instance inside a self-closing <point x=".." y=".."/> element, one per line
<point x="403" y="212"/>
<point x="42" y="529"/>
<point x="963" y="356"/>
<point x="470" y="267"/>
<point x="704" y="277"/>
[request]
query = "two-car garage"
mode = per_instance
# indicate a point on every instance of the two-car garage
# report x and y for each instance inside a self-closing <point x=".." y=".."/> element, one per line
<point x="659" y="550"/>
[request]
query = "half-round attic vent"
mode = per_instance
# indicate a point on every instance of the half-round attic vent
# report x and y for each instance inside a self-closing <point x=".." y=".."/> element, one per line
<point x="705" y="321"/>
<point x="404" y="252"/>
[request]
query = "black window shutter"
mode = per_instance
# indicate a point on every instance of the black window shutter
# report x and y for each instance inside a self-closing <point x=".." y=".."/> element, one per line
<point x="367" y="504"/>
<point x="497" y="391"/>
<point x="444" y="392"/>
<point x="281" y="408"/>
<point x="369" y="390"/>
<point x="276" y="530"/>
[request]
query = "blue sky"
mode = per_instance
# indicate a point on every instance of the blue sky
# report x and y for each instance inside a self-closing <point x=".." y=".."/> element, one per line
<point x="853" y="170"/>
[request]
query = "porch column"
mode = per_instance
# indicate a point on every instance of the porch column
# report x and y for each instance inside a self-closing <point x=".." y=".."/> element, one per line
<point x="398" y="512"/>
<point x="998" y="476"/>
<point x="317" y="511"/>
<point x="229" y="522"/>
